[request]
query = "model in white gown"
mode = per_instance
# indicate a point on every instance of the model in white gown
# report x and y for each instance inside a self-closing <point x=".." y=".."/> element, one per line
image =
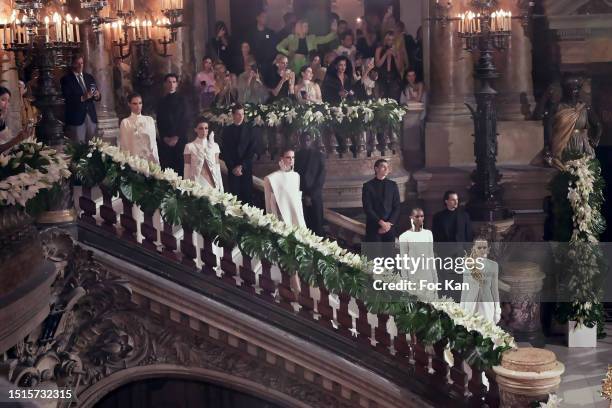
<point x="483" y="294"/>
<point x="417" y="242"/>
<point x="202" y="159"/>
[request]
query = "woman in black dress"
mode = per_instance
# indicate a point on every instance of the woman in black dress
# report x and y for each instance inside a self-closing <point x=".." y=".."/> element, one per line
<point x="220" y="45"/>
<point x="338" y="82"/>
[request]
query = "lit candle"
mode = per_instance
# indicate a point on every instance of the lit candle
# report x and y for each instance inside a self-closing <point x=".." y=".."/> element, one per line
<point x="76" y="29"/>
<point x="120" y="5"/>
<point x="131" y="4"/>
<point x="509" y="21"/>
<point x="3" y="32"/>
<point x="55" y="19"/>
<point x="47" y="29"/>
<point x="69" y="28"/>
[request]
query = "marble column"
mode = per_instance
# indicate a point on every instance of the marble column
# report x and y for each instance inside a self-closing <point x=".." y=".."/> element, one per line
<point x="97" y="52"/>
<point x="515" y="86"/>
<point x="8" y="79"/>
<point x="451" y="70"/>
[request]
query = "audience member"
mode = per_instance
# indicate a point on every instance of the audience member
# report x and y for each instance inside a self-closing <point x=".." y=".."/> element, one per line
<point x="202" y="157"/>
<point x="381" y="203"/>
<point x="237" y="151"/>
<point x="225" y="89"/>
<point x="346" y="47"/>
<point x="410" y="45"/>
<point x="240" y="61"/>
<point x="137" y="133"/>
<point x="318" y="70"/>
<point x="173" y="119"/>
<point x="389" y="68"/>
<point x="307" y="90"/>
<point x="263" y="41"/>
<point x="366" y="45"/>
<point x="310" y="165"/>
<point x="29" y="113"/>
<point x="79" y="91"/>
<point x="281" y="82"/>
<point x="338" y="83"/>
<point x="289" y="20"/>
<point x="414" y="91"/>
<point x="250" y="88"/>
<point x="205" y="83"/>
<point x="300" y="44"/>
<point x="5" y="132"/>
<point x="418" y="54"/>
<point x="220" y="45"/>
<point x="366" y="88"/>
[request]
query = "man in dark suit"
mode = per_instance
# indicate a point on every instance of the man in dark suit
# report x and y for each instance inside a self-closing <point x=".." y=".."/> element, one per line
<point x="310" y="165"/>
<point x="381" y="203"/>
<point x="237" y="151"/>
<point x="79" y="90"/>
<point x="451" y="225"/>
<point x="174" y="120"/>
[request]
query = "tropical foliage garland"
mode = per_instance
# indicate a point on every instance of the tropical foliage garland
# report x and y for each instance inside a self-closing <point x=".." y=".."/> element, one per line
<point x="27" y="169"/>
<point x="220" y="216"/>
<point x="346" y="117"/>
<point x="577" y="200"/>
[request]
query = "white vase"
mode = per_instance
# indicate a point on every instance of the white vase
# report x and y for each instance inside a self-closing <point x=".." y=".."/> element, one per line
<point x="578" y="335"/>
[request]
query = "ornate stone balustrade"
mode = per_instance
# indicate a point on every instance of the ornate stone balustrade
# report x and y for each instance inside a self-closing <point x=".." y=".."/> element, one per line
<point x="338" y="315"/>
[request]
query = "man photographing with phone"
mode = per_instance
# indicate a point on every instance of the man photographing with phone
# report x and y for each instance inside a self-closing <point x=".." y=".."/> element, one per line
<point x="80" y="91"/>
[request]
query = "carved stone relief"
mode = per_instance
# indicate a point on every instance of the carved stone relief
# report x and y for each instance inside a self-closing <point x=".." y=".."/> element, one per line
<point x="94" y="331"/>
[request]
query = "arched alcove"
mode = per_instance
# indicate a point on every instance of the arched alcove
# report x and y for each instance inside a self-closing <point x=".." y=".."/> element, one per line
<point x="179" y="393"/>
<point x="160" y="381"/>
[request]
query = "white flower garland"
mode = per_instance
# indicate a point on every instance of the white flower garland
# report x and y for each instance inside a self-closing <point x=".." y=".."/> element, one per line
<point x="584" y="220"/>
<point x="275" y="115"/>
<point x="19" y="188"/>
<point x="584" y="217"/>
<point x="257" y="217"/>
<point x="230" y="204"/>
<point x="475" y="322"/>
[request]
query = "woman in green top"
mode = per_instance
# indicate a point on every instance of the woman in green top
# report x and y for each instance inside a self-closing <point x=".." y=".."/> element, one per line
<point x="298" y="45"/>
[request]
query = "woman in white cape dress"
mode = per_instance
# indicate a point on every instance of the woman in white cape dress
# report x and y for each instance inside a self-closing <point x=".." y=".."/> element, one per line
<point x="417" y="243"/>
<point x="202" y="158"/>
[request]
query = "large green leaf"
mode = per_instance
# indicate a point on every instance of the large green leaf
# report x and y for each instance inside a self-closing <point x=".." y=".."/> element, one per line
<point x="172" y="209"/>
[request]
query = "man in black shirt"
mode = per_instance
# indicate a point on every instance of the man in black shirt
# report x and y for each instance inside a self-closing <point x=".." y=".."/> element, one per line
<point x="451" y="225"/>
<point x="173" y="122"/>
<point x="310" y="165"/>
<point x="237" y="151"/>
<point x="381" y="203"/>
<point x="263" y="42"/>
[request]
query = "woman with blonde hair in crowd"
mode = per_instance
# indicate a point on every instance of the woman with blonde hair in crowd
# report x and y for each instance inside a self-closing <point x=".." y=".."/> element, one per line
<point x="281" y="82"/>
<point x="298" y="46"/>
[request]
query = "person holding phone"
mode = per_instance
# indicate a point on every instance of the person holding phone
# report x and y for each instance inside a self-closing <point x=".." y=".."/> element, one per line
<point x="249" y="85"/>
<point x="80" y="91"/>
